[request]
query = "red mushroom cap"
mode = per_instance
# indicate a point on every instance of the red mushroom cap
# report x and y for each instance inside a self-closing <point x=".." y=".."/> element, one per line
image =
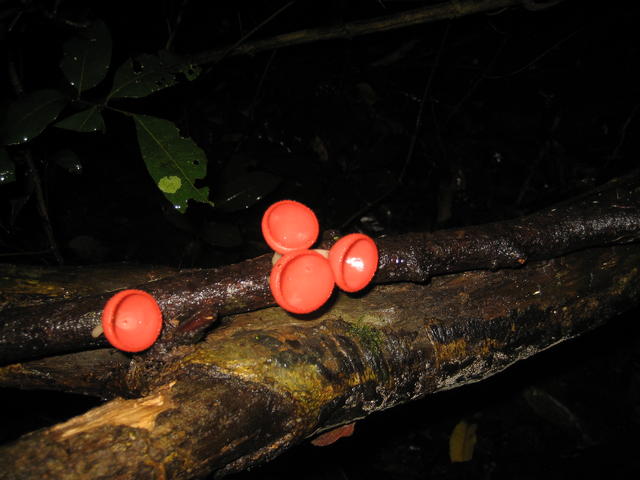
<point x="301" y="281"/>
<point x="288" y="226"/>
<point x="132" y="320"/>
<point x="354" y="261"/>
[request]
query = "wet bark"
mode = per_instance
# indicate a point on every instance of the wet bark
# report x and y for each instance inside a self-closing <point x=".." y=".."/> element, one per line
<point x="192" y="301"/>
<point x="264" y="381"/>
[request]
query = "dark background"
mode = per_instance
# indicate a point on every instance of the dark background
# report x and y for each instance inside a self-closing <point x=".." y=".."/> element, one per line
<point x="515" y="109"/>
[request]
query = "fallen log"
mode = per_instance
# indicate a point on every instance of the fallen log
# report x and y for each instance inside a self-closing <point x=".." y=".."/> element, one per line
<point x="264" y="381"/>
<point x="192" y="301"/>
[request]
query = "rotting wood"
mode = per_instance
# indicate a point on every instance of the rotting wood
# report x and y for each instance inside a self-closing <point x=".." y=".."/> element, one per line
<point x="264" y="381"/>
<point x="139" y="413"/>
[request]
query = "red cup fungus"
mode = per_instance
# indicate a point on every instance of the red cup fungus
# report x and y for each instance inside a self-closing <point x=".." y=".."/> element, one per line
<point x="288" y="226"/>
<point x="132" y="320"/>
<point x="301" y="281"/>
<point x="354" y="261"/>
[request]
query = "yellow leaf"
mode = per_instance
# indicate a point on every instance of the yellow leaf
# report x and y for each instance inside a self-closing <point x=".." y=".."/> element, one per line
<point x="462" y="442"/>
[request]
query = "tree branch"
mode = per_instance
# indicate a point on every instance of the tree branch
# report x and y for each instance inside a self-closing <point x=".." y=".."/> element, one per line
<point x="100" y="373"/>
<point x="191" y="301"/>
<point x="265" y="381"/>
<point x="409" y="18"/>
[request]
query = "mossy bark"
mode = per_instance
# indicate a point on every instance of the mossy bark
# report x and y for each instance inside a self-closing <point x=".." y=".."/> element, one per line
<point x="264" y="381"/>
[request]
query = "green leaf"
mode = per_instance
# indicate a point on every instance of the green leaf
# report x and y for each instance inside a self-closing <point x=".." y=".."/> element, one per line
<point x="86" y="57"/>
<point x="28" y="116"/>
<point x="189" y="70"/>
<point x="89" y="120"/>
<point x="7" y="168"/>
<point x="174" y="162"/>
<point x="142" y="76"/>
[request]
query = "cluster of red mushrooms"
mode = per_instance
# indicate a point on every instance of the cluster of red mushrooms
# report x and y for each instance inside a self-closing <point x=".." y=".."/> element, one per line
<point x="302" y="280"/>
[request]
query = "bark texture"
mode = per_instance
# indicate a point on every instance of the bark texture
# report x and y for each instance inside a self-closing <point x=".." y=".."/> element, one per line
<point x="192" y="301"/>
<point x="405" y="19"/>
<point x="264" y="381"/>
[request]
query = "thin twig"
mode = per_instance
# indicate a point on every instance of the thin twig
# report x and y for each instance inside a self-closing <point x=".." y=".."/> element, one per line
<point x="414" y="136"/>
<point x="172" y="29"/>
<point x="250" y="33"/>
<point x="623" y="134"/>
<point x="537" y="58"/>
<point x="536" y="6"/>
<point x="477" y="81"/>
<point x="42" y="207"/>
<point x="254" y="102"/>
<point x="34" y="175"/>
<point x="425" y="93"/>
<point x="20" y="254"/>
<point x="419" y="16"/>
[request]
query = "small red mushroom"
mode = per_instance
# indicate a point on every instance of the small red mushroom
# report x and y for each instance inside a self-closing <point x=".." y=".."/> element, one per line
<point x="302" y="280"/>
<point x="131" y="320"/>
